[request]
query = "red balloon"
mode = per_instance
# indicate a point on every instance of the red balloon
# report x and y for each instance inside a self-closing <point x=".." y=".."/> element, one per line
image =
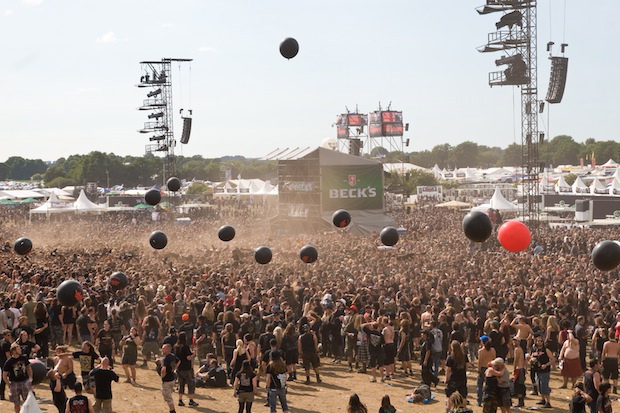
<point x="514" y="236"/>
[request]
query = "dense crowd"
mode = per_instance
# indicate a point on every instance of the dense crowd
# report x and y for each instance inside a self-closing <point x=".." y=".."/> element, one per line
<point x="204" y="313"/>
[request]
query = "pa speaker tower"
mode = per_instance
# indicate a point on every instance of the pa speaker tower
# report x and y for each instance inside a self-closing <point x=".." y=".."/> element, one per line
<point x="187" y="129"/>
<point x="557" y="83"/>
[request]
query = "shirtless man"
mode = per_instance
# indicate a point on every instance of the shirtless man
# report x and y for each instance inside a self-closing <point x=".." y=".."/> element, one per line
<point x="609" y="359"/>
<point x="64" y="366"/>
<point x="519" y="368"/>
<point x="524" y="332"/>
<point x="390" y="347"/>
<point x="486" y="354"/>
<point x="426" y="318"/>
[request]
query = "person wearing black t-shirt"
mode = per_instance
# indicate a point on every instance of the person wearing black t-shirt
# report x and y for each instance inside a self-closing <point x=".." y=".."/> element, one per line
<point x="103" y="377"/>
<point x="426" y="351"/>
<point x="84" y="323"/>
<point x="308" y="347"/>
<point x="456" y="370"/>
<point x="105" y="342"/>
<point x="17" y="373"/>
<point x="580" y="399"/>
<point x="79" y="403"/>
<point x="87" y="358"/>
<point x="5" y="354"/>
<point x="185" y="370"/>
<point x="603" y="403"/>
<point x="376" y="349"/>
<point x="169" y="364"/>
<point x="245" y="386"/>
<point x="212" y="374"/>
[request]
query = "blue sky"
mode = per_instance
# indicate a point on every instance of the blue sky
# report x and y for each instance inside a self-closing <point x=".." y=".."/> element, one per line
<point x="69" y="67"/>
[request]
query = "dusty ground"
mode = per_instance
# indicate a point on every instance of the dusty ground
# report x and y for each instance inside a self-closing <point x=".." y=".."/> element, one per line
<point x="330" y="396"/>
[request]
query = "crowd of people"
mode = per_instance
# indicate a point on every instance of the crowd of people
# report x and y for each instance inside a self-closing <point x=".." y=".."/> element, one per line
<point x="205" y="314"/>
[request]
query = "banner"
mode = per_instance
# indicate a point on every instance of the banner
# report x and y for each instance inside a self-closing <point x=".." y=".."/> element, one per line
<point x="352" y="187"/>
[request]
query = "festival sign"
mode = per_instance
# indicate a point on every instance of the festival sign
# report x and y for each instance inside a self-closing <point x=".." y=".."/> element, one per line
<point x="352" y="187"/>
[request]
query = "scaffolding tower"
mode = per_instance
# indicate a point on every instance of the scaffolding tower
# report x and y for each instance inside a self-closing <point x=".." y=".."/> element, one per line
<point x="519" y="43"/>
<point x="157" y="77"/>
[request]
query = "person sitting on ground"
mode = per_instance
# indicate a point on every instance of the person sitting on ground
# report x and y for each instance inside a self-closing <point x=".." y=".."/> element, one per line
<point x="355" y="405"/>
<point x="211" y="374"/>
<point x="386" y="405"/>
<point x="420" y="394"/>
<point x="458" y="404"/>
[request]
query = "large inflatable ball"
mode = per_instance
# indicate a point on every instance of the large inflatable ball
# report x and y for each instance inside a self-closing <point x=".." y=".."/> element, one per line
<point x="69" y="293"/>
<point x="389" y="236"/>
<point x="606" y="255"/>
<point x="477" y="226"/>
<point x="514" y="236"/>
<point x="23" y="246"/>
<point x="263" y="255"/>
<point x="289" y="48"/>
<point x="308" y="254"/>
<point x="341" y="218"/>
<point x="152" y="197"/>
<point x="39" y="371"/>
<point x="173" y="184"/>
<point x="226" y="233"/>
<point x="158" y="240"/>
<point x="118" y="281"/>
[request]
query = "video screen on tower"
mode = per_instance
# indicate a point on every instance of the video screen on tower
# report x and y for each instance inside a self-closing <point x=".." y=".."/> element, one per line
<point x="386" y="123"/>
<point x="357" y="120"/>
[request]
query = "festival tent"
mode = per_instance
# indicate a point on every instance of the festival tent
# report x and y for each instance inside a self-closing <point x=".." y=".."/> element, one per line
<point x="454" y="204"/>
<point x="579" y="187"/>
<point x="610" y="164"/>
<point x="48" y="191"/>
<point x="562" y="186"/>
<point x="617" y="174"/>
<point x="597" y="187"/>
<point x="20" y="194"/>
<point x="52" y="206"/>
<point x="436" y="171"/>
<point x="83" y="204"/>
<point x="614" y="189"/>
<point x="500" y="203"/>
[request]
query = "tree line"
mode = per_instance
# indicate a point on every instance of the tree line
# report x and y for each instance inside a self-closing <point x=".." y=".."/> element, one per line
<point x="108" y="169"/>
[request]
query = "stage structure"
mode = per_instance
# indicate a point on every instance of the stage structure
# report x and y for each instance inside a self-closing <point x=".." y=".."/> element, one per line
<point x="315" y="183"/>
<point x="516" y="38"/>
<point x="157" y="78"/>
<point x="359" y="133"/>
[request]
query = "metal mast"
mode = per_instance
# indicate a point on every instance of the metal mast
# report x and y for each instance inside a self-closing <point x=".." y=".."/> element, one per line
<point x="519" y="43"/>
<point x="157" y="76"/>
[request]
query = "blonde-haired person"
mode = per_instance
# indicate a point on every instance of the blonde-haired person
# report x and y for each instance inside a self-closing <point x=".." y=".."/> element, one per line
<point x="240" y="354"/>
<point x="458" y="404"/>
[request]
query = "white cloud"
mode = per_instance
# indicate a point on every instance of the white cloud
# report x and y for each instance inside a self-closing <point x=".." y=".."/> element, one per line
<point x="32" y="2"/>
<point x="8" y="12"/>
<point x="168" y="25"/>
<point x="207" y="49"/>
<point x="109" y="37"/>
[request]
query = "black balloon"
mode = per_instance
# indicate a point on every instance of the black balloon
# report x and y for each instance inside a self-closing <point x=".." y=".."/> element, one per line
<point x="173" y="184"/>
<point x="23" y="246"/>
<point x="477" y="226"/>
<point x="289" y="48"/>
<point x="308" y="254"/>
<point x="606" y="255"/>
<point x="341" y="218"/>
<point x="263" y="255"/>
<point x="389" y="236"/>
<point x="39" y="371"/>
<point x="69" y="293"/>
<point x="226" y="233"/>
<point x="118" y="281"/>
<point x="152" y="197"/>
<point x="158" y="240"/>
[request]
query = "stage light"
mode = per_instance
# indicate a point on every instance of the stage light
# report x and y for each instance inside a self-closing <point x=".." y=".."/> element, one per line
<point x="550" y="46"/>
<point x="510" y="20"/>
<point x="563" y="47"/>
<point x="156" y="115"/>
<point x="541" y="106"/>
<point x="407" y="142"/>
<point x="154" y="93"/>
<point x="541" y="138"/>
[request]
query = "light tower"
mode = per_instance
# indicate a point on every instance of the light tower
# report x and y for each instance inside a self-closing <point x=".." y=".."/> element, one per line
<point x="157" y="77"/>
<point x="519" y="46"/>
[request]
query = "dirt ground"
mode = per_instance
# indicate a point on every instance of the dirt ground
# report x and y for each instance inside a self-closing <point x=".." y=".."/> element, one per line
<point x="330" y="396"/>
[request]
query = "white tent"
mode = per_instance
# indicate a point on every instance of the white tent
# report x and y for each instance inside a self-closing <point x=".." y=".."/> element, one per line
<point x="610" y="164"/>
<point x="597" y="187"/>
<point x="20" y="194"/>
<point x="617" y="174"/>
<point x="500" y="203"/>
<point x="48" y="191"/>
<point x="579" y="187"/>
<point x="83" y="204"/>
<point x="52" y="206"/>
<point x="562" y="186"/>
<point x="614" y="189"/>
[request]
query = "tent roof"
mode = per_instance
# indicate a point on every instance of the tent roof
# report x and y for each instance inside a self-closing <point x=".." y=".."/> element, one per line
<point x="579" y="183"/>
<point x="597" y="184"/>
<point x="21" y="194"/>
<point x="401" y="167"/>
<point x="53" y="205"/>
<point x="615" y="184"/>
<point x="57" y="191"/>
<point x="454" y="204"/>
<point x="327" y="157"/>
<point x="611" y="163"/>
<point x="500" y="203"/>
<point x="562" y="183"/>
<point x="85" y="204"/>
<point x="617" y="174"/>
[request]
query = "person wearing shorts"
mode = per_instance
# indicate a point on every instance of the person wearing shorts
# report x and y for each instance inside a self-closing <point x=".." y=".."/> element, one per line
<point x="168" y="376"/>
<point x="609" y="355"/>
<point x="308" y="347"/>
<point x="17" y="373"/>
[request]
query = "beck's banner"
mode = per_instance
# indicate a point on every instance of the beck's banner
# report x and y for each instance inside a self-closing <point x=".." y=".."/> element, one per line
<point x="352" y="187"/>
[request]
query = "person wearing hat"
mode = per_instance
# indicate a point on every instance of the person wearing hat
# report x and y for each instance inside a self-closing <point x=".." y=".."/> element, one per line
<point x="485" y="355"/>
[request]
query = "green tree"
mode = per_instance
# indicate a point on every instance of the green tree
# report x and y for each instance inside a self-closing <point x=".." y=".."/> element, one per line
<point x="198" y="188"/>
<point x="442" y="155"/>
<point x="466" y="154"/>
<point x="562" y="150"/>
<point x="570" y="178"/>
<point x="512" y="155"/>
<point x="22" y="169"/>
<point x="61" y="182"/>
<point x="4" y="171"/>
<point x="378" y="152"/>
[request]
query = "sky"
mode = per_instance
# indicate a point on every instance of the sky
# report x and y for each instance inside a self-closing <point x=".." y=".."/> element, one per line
<point x="69" y="68"/>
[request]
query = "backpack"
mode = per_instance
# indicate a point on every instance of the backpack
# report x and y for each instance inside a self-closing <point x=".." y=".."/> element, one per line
<point x="438" y="339"/>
